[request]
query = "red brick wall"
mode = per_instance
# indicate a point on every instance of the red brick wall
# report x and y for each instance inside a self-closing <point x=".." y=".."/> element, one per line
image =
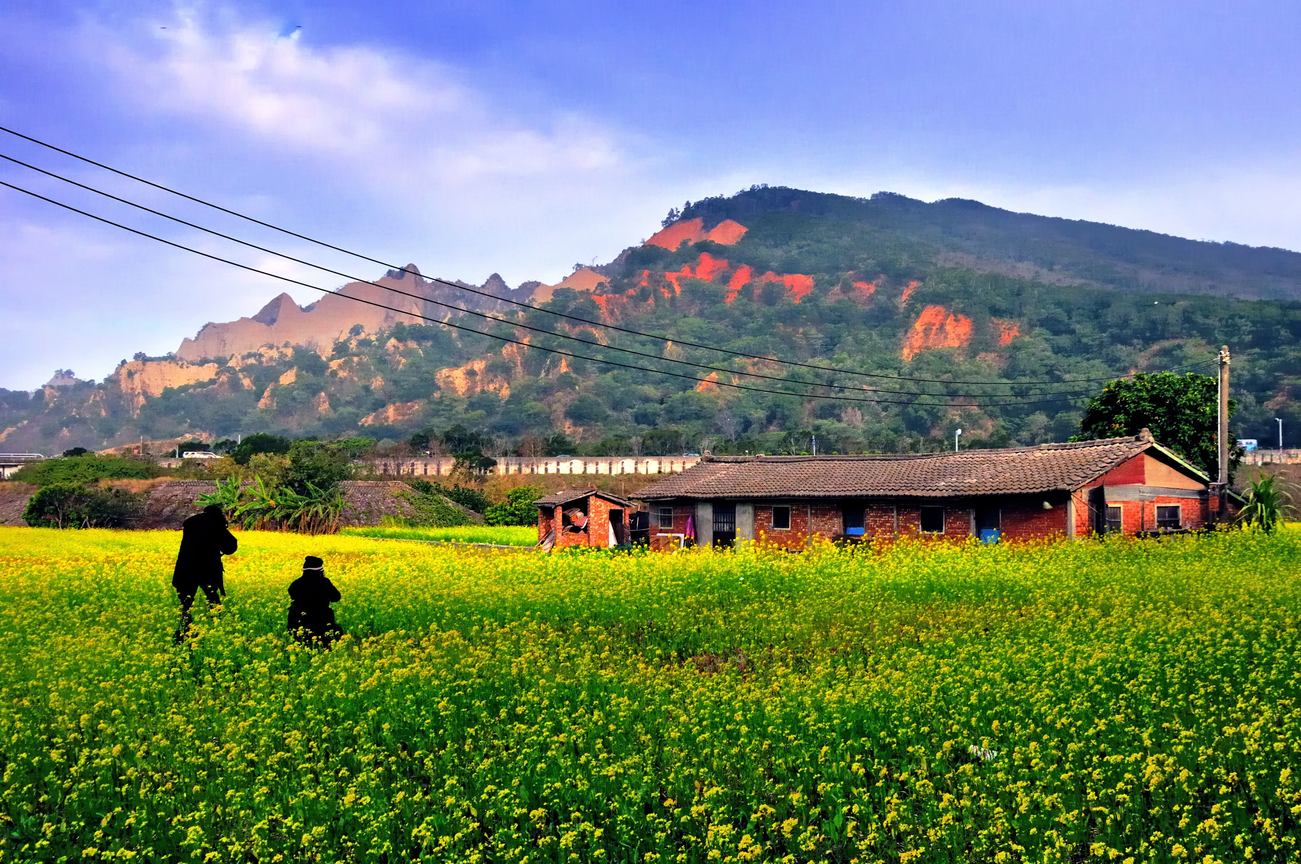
<point x="878" y="522"/>
<point x="807" y="520"/>
<point x="957" y="521"/>
<point x="659" y="539"/>
<point x="1131" y="471"/>
<point x="1026" y="519"/>
<point x="1139" y="516"/>
<point x="547" y="517"/>
<point x="598" y="524"/>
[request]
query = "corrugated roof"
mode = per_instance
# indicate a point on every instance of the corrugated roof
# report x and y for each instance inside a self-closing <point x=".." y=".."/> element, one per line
<point x="1017" y="470"/>
<point x="564" y="496"/>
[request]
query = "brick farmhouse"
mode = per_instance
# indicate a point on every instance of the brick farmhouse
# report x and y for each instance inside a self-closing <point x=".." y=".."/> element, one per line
<point x="1129" y="485"/>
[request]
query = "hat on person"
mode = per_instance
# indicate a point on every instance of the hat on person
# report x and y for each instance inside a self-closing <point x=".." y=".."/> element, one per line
<point x="311" y="562"/>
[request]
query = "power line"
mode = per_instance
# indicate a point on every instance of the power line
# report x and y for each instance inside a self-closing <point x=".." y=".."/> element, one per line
<point x="521" y="304"/>
<point x="519" y="342"/>
<point x="511" y="322"/>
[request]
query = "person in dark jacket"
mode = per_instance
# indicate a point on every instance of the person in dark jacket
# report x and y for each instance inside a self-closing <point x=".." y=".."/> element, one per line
<point x="204" y="539"/>
<point x="311" y="620"/>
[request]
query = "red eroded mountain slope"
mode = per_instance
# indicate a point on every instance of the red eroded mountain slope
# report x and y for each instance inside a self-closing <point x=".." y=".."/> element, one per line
<point x="936" y="327"/>
<point x="692" y="231"/>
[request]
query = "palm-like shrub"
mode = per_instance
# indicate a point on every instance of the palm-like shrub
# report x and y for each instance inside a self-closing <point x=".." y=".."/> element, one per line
<point x="257" y="506"/>
<point x="1265" y="502"/>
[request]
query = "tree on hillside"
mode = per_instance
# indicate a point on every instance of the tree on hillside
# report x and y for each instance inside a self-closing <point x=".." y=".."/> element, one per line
<point x="312" y="463"/>
<point x="260" y="442"/>
<point x="1180" y="410"/>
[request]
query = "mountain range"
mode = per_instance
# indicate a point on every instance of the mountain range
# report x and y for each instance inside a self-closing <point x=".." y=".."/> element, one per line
<point x="913" y="293"/>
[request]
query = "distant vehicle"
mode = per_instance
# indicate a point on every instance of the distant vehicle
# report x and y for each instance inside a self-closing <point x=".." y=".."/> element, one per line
<point x="199" y="454"/>
<point x="1248" y="445"/>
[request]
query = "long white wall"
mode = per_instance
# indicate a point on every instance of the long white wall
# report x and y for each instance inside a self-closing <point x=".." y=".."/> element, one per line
<point x="442" y="466"/>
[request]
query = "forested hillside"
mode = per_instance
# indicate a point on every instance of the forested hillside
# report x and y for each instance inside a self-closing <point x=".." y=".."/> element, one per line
<point x="947" y="292"/>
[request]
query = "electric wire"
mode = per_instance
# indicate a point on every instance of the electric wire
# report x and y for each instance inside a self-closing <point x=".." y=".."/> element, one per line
<point x="507" y="339"/>
<point x="580" y="319"/>
<point x="511" y="322"/>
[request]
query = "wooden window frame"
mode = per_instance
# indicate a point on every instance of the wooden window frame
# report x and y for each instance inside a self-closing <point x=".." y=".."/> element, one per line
<point x="772" y="517"/>
<point x="1119" y="522"/>
<point x="1179" y="516"/>
<point x="943" y="518"/>
<point x="659" y="518"/>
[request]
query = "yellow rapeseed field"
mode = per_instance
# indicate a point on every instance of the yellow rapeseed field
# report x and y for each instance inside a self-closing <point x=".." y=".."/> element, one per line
<point x="1120" y="701"/>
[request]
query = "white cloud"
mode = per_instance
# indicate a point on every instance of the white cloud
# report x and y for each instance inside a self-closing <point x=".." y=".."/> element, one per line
<point x="378" y="112"/>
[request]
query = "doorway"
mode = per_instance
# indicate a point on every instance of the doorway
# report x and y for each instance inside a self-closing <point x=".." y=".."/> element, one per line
<point x="851" y="520"/>
<point x="617" y="535"/>
<point x="989" y="523"/>
<point x="724" y="525"/>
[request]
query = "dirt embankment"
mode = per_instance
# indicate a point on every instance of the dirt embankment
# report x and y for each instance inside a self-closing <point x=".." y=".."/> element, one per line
<point x="13" y="501"/>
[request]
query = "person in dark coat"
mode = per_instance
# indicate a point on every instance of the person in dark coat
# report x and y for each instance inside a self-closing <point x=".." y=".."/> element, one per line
<point x="204" y="539"/>
<point x="311" y="619"/>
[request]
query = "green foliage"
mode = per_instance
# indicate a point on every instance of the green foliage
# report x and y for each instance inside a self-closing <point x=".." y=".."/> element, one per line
<point x="72" y="505"/>
<point x="1266" y="501"/>
<point x="227" y="496"/>
<point x="467" y="496"/>
<point x="260" y="442"/>
<point x="313" y="464"/>
<point x="75" y="451"/>
<point x="273" y="468"/>
<point x="256" y="505"/>
<point x="517" y="509"/>
<point x="356" y="447"/>
<point x="84" y="469"/>
<point x="1180" y="411"/>
<point x="436" y="506"/>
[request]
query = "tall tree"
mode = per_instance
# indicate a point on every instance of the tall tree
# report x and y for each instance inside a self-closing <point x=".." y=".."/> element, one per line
<point x="1180" y="410"/>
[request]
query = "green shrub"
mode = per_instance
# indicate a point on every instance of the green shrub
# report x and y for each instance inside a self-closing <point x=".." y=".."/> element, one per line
<point x="260" y="506"/>
<point x="517" y="509"/>
<point x="259" y="442"/>
<point x="1265" y="503"/>
<point x="467" y="497"/>
<point x="69" y="505"/>
<point x="86" y="469"/>
<point x="434" y="507"/>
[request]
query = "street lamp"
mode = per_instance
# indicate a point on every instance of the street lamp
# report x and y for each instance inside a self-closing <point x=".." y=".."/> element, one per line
<point x="1279" y="421"/>
<point x="955" y="440"/>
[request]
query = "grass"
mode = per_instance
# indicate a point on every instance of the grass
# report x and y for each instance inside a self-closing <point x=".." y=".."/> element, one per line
<point x="498" y="535"/>
<point x="1074" y="702"/>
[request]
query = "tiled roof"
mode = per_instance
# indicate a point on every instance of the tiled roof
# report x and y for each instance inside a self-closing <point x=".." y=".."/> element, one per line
<point x="564" y="496"/>
<point x="1028" y="470"/>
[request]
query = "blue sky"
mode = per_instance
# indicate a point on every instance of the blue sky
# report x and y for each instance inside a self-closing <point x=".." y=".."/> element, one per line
<point x="473" y="137"/>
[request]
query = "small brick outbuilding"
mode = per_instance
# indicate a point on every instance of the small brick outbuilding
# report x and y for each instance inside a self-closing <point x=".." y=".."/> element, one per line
<point x="583" y="517"/>
<point x="1128" y="485"/>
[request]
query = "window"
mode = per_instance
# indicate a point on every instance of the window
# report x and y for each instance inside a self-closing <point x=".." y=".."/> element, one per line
<point x="932" y="519"/>
<point x="781" y="518"/>
<point x="1115" y="519"/>
<point x="664" y="518"/>
<point x="1167" y="516"/>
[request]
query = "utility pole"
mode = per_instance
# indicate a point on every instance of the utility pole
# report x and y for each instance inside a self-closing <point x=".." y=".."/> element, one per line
<point x="1223" y="432"/>
<point x="1279" y="421"/>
